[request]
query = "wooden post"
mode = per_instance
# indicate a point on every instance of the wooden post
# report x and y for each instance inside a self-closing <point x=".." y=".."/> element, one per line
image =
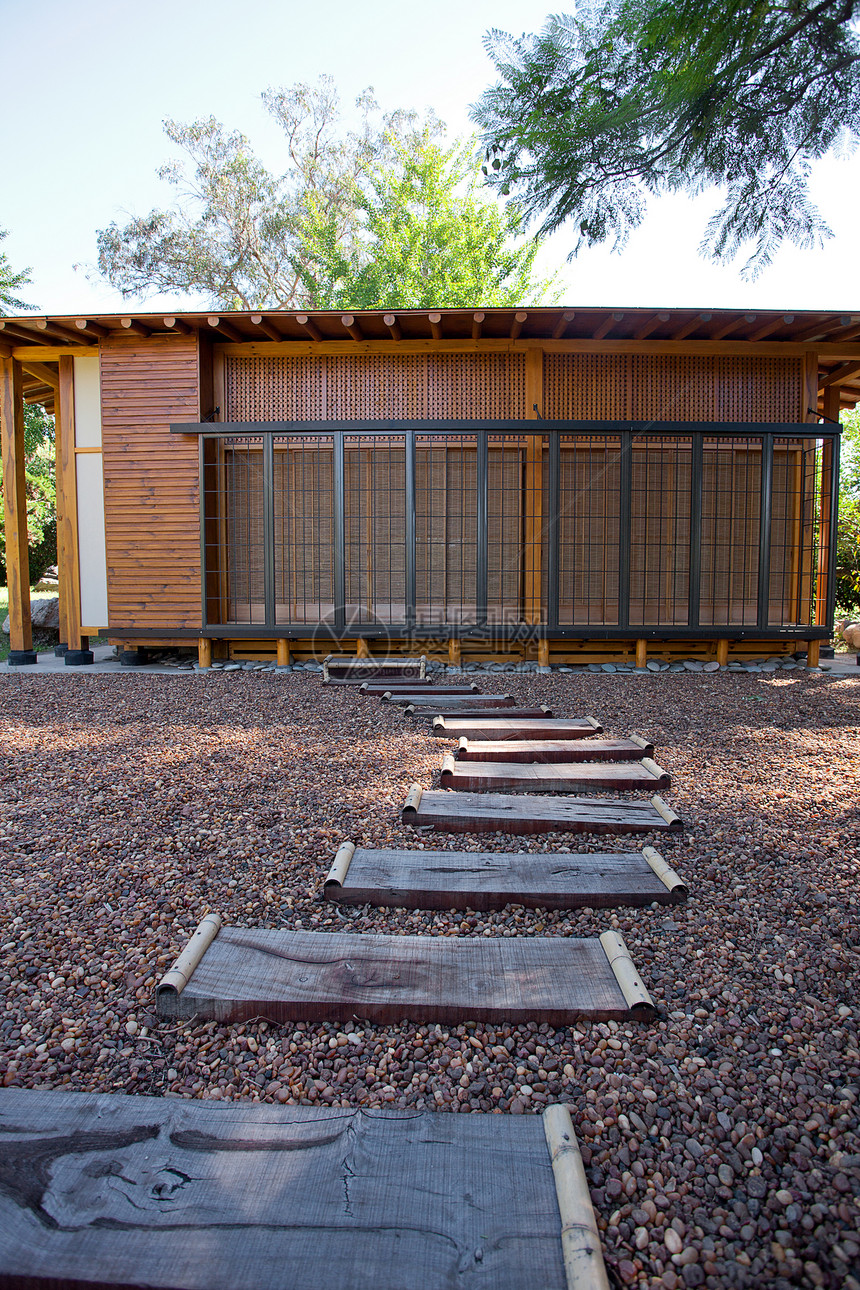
<point x="533" y="517"/>
<point x="62" y="558"/>
<point x="641" y="653"/>
<point x="722" y="652"/>
<point x="204" y="651"/>
<point x="283" y="652"/>
<point x="831" y="410"/>
<point x="15" y="501"/>
<point x="813" y="649"/>
<point x="362" y="649"/>
<point x="67" y="508"/>
<point x="453" y="651"/>
<point x="543" y="652"/>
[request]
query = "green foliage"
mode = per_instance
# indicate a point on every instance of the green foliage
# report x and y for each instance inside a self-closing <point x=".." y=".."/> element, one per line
<point x="632" y="98"/>
<point x="848" y="531"/>
<point x="41" y="490"/>
<point x="309" y="237"/>
<point x="428" y="239"/>
<point x="10" y="282"/>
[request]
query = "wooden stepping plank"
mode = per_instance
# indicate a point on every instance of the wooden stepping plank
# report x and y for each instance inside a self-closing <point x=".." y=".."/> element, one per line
<point x="533" y="724"/>
<point x="551" y="751"/>
<point x="452" y="701"/>
<point x="491" y="880"/>
<point x="395" y="692"/>
<point x="495" y="776"/>
<point x="346" y="667"/>
<point x="113" y="1191"/>
<point x="286" y="976"/>
<point x="505" y="813"/>
<point x="409" y="683"/>
<point x="436" y="713"/>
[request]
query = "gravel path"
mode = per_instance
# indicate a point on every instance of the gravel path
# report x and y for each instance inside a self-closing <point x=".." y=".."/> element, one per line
<point x="721" y="1141"/>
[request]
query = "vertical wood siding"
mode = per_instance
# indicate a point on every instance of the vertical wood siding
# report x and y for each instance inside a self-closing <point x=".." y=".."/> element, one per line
<point x="152" y="518"/>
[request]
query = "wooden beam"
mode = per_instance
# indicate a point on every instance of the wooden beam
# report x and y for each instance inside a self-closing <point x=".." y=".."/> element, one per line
<point x="204" y="651"/>
<point x="94" y="328"/>
<point x="477" y="324"/>
<point x="727" y="328"/>
<point x="393" y="326"/>
<point x="842" y="373"/>
<point x="821" y="329"/>
<point x="172" y="323"/>
<point x="15" y="332"/>
<point x="649" y="325"/>
<point x="769" y="327"/>
<point x="67" y="507"/>
<point x="136" y="328"/>
<point x="563" y="323"/>
<point x="267" y="327"/>
<point x="5" y="350"/>
<point x="62" y="333"/>
<point x="850" y="333"/>
<point x="43" y="373"/>
<point x="435" y="321"/>
<point x="519" y="318"/>
<point x="225" y="328"/>
<point x="309" y="326"/>
<point x="606" y="326"/>
<point x="831" y="410"/>
<point x="693" y="325"/>
<point x="809" y="410"/>
<point x="352" y="326"/>
<point x="15" y="502"/>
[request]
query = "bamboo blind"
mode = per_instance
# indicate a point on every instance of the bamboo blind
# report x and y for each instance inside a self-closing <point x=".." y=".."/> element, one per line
<point x="671" y="387"/>
<point x="376" y="387"/>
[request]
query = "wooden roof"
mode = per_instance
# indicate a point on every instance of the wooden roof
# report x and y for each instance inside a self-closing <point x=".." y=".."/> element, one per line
<point x="836" y="337"/>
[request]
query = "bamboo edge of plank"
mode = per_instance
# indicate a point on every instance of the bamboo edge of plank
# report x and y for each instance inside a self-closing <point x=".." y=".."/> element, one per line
<point x="439" y="723"/>
<point x="674" y="821"/>
<point x="340" y="867"/>
<point x="645" y="744"/>
<point x="462" y="745"/>
<point x="449" y="768"/>
<point x="667" y="875"/>
<point x="413" y="801"/>
<point x="584" y="1268"/>
<point x="175" y="981"/>
<point x="592" y="721"/>
<point x="657" y="771"/>
<point x="630" y="983"/>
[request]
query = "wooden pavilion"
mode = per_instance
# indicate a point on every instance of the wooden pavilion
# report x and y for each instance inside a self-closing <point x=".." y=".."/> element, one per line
<point x="553" y="484"/>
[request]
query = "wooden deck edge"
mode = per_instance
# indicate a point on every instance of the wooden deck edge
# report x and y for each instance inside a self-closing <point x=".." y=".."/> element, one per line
<point x="339" y="869"/>
<point x="674" y="821"/>
<point x="174" y="982"/>
<point x="667" y="875"/>
<point x="629" y="981"/>
<point x="580" y="1240"/>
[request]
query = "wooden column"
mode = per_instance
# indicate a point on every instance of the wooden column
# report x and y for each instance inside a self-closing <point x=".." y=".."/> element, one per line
<point x="533" y="518"/>
<point x="641" y="653"/>
<point x="283" y="653"/>
<point x="543" y="652"/>
<point x="15" y="502"/>
<point x="813" y="650"/>
<point x="454" y="651"/>
<point x="67" y="509"/>
<point x="831" y="410"/>
<point x="722" y="652"/>
<point x="204" y="651"/>
<point x="362" y="649"/>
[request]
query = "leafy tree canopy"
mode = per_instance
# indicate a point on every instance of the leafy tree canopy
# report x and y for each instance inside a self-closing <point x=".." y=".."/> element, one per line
<point x="374" y="216"/>
<point x="631" y="98"/>
<point x="11" y="282"/>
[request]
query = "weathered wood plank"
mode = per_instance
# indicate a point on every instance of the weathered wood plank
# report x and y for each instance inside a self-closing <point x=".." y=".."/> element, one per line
<point x="452" y="701"/>
<point x="493" y="776"/>
<point x="549" y="752"/>
<point x="505" y="813"/>
<point x="396" y="683"/>
<point x="431" y="712"/>
<point x="533" y="724"/>
<point x="382" y="690"/>
<point x="491" y="880"/>
<point x="112" y="1191"/>
<point x="315" y="976"/>
<point x="345" y="666"/>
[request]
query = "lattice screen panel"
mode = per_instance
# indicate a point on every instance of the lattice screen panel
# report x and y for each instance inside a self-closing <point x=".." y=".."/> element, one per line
<point x="375" y="529"/>
<point x="793" y="531"/>
<point x="588" y="530"/>
<point x="303" y="529"/>
<point x="731" y="506"/>
<point x="660" y="531"/>
<point x="376" y="387"/>
<point x="505" y="531"/>
<point x="446" y="530"/>
<point x="671" y="387"/>
<point x="243" y="511"/>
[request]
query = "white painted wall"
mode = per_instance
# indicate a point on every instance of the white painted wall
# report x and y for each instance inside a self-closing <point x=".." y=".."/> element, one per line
<point x="92" y="559"/>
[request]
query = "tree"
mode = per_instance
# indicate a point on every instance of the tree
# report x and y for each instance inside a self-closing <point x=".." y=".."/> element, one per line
<point x="247" y="238"/>
<point x="9" y="282"/>
<point x="428" y="239"/>
<point x="633" y="98"/>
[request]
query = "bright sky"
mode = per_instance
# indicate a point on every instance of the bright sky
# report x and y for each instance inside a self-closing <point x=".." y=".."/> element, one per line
<point x="87" y="86"/>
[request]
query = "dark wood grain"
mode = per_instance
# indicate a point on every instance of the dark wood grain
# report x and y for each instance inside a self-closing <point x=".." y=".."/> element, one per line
<point x="453" y="702"/>
<point x="315" y="976"/>
<point x="491" y="880"/>
<point x="505" y="813"/>
<point x="522" y="724"/>
<point x="428" y="693"/>
<point x="112" y="1191"/>
<point x="490" y="776"/>
<point x="550" y="752"/>
<point x="480" y="715"/>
